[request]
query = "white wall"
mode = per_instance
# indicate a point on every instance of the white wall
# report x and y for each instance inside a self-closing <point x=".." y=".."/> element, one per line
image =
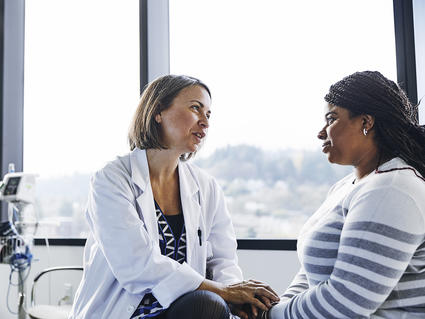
<point x="277" y="268"/>
<point x="273" y="267"/>
<point x="58" y="256"/>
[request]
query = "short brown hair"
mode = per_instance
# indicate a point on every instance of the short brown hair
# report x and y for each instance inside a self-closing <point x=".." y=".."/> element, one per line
<point x="157" y="96"/>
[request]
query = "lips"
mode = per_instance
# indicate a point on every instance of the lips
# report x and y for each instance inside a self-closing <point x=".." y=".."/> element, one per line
<point x="325" y="146"/>
<point x="199" y="136"/>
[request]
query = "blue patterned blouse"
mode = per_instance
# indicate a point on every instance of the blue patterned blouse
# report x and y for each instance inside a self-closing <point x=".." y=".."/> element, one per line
<point x="172" y="242"/>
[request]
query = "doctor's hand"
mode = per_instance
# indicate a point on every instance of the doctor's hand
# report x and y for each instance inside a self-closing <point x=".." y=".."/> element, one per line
<point x="255" y="293"/>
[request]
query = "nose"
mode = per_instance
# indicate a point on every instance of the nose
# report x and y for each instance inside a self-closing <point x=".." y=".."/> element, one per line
<point x="204" y="122"/>
<point x="322" y="135"/>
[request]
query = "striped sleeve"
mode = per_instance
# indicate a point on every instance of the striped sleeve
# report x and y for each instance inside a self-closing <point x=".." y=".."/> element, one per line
<point x="382" y="230"/>
<point x="298" y="285"/>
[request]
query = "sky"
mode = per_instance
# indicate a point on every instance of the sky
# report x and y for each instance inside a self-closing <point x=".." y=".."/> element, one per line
<point x="268" y="68"/>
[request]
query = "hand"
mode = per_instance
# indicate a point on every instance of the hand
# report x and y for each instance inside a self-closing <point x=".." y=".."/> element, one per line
<point x="245" y="312"/>
<point x="255" y="293"/>
<point x="242" y="311"/>
<point x="263" y="315"/>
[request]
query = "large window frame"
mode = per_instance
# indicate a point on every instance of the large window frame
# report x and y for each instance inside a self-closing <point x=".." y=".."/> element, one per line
<point x="154" y="61"/>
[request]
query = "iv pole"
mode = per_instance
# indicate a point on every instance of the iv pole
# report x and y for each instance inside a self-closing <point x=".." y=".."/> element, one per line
<point x="17" y="189"/>
<point x="21" y="275"/>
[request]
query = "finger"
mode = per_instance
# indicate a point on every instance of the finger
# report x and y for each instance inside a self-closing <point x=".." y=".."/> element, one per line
<point x="258" y="304"/>
<point x="264" y="285"/>
<point x="265" y="301"/>
<point x="240" y="313"/>
<point x="256" y="283"/>
<point x="271" y="290"/>
<point x="274" y="292"/>
<point x="254" y="311"/>
<point x="260" y="291"/>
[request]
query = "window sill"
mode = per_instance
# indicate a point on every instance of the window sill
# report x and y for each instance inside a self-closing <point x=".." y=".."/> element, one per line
<point x="243" y="244"/>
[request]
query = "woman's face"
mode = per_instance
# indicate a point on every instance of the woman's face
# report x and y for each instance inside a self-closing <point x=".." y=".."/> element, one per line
<point x="185" y="123"/>
<point x="342" y="136"/>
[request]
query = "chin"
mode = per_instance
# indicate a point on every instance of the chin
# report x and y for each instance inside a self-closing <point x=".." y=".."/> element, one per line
<point x="335" y="160"/>
<point x="196" y="147"/>
<point x="192" y="149"/>
<point x="332" y="159"/>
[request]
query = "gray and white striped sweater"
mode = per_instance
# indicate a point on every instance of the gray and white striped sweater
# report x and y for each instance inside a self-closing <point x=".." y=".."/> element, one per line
<point x="362" y="253"/>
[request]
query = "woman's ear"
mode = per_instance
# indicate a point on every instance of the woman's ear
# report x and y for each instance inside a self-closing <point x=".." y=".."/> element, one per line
<point x="368" y="121"/>
<point x="158" y="118"/>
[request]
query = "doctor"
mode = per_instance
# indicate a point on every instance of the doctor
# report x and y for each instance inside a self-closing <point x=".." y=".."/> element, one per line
<point x="159" y="225"/>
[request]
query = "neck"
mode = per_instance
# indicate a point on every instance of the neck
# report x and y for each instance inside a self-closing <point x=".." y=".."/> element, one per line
<point x="367" y="164"/>
<point x="162" y="164"/>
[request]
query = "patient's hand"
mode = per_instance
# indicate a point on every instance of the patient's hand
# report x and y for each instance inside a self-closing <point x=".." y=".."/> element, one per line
<point x="242" y="311"/>
<point x="245" y="312"/>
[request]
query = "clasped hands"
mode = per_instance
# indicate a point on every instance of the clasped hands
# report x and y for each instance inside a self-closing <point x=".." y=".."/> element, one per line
<point x="250" y="299"/>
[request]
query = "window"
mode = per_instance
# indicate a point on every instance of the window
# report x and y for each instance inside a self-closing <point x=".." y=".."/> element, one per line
<point x="81" y="89"/>
<point x="268" y="66"/>
<point x="419" y="22"/>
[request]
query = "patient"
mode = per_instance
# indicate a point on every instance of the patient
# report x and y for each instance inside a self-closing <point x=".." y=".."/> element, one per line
<point x="362" y="253"/>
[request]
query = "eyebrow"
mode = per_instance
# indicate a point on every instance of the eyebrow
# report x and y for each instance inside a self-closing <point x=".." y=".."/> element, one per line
<point x="331" y="112"/>
<point x="201" y="104"/>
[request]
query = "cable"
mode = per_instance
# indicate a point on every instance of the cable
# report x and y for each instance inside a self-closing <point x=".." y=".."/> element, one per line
<point x="20" y="263"/>
<point x="48" y="266"/>
<point x="7" y="297"/>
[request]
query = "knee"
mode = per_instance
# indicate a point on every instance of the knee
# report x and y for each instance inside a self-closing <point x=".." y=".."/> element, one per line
<point x="209" y="299"/>
<point x="201" y="304"/>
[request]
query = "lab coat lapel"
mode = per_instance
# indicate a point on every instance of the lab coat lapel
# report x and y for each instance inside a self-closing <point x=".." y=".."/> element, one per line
<point x="189" y="194"/>
<point x="140" y="176"/>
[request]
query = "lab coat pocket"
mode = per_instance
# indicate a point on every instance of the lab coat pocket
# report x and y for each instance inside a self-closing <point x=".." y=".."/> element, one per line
<point x="209" y="272"/>
<point x="209" y="251"/>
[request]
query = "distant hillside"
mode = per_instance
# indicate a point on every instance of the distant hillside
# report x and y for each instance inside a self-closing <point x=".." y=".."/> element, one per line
<point x="269" y="194"/>
<point x="249" y="162"/>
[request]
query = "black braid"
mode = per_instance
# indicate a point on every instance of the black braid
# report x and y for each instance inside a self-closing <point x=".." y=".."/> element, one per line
<point x="396" y="128"/>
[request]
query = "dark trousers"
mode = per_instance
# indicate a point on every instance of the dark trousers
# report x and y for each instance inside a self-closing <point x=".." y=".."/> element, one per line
<point x="199" y="304"/>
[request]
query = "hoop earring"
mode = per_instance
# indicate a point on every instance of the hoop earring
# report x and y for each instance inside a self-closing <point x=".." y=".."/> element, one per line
<point x="364" y="132"/>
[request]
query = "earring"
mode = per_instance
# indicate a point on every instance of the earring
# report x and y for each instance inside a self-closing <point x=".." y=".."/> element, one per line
<point x="364" y="132"/>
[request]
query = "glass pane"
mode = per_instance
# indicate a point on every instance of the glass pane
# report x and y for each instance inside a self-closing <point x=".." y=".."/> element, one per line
<point x="419" y="25"/>
<point x="269" y="65"/>
<point x="81" y="89"/>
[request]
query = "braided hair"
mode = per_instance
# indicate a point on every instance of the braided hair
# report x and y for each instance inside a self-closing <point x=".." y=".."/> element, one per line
<point x="397" y="132"/>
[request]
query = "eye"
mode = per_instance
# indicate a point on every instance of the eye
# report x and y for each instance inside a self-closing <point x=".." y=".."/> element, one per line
<point x="196" y="107"/>
<point x="330" y="120"/>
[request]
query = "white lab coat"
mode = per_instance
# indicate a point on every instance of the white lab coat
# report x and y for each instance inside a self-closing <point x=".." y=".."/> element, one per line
<point x="122" y="259"/>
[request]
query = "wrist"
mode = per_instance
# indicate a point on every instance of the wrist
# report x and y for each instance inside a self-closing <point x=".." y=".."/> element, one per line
<point x="276" y="310"/>
<point x="213" y="286"/>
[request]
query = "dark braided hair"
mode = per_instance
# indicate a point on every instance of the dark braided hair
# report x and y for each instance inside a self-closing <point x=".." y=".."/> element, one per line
<point x="397" y="132"/>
